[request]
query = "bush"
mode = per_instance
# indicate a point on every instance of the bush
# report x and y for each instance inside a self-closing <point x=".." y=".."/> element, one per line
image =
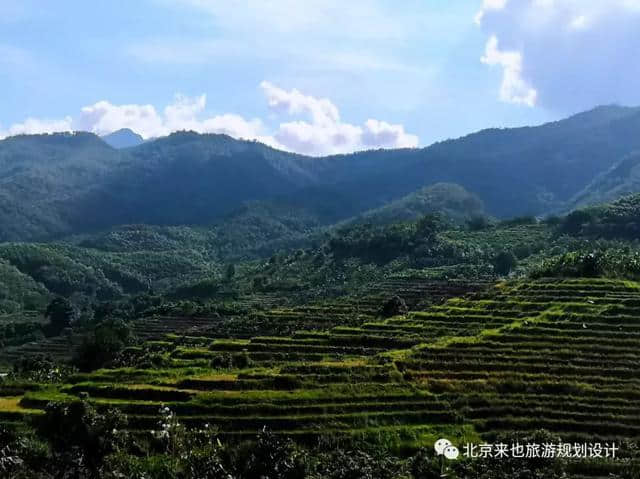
<point x="394" y="307"/>
<point x="42" y="369"/>
<point x="61" y="314"/>
<point x="360" y="464"/>
<point x="608" y="263"/>
<point x="78" y="434"/>
<point x="520" y="220"/>
<point x="103" y="345"/>
<point x="271" y="457"/>
<point x="575" y="222"/>
<point x="478" y="223"/>
<point x="504" y="263"/>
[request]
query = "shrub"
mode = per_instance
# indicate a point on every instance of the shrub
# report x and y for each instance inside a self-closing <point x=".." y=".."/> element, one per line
<point x="394" y="306"/>
<point x="504" y="263"/>
<point x="609" y="263"/>
<point x="271" y="457"/>
<point x="61" y="314"/>
<point x="103" y="345"/>
<point x="478" y="223"/>
<point x="78" y="434"/>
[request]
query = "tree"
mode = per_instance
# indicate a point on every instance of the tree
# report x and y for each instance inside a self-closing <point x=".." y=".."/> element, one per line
<point x="80" y="437"/>
<point x="107" y="340"/>
<point x="61" y="314"/>
<point x="272" y="457"/>
<point x="394" y="307"/>
<point x="504" y="263"/>
<point x="478" y="223"/>
<point x="428" y="226"/>
<point x="230" y="272"/>
<point x="574" y="222"/>
<point x="361" y="464"/>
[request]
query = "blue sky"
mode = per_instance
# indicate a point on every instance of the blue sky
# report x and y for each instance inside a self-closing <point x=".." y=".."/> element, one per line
<point x="315" y="76"/>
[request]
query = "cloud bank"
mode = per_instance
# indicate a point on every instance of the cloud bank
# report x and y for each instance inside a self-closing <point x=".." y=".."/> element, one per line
<point x="325" y="132"/>
<point x="565" y="55"/>
<point x="318" y="129"/>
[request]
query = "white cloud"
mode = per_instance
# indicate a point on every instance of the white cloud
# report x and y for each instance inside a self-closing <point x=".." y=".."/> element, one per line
<point x="182" y="114"/>
<point x="33" y="126"/>
<point x="514" y="88"/>
<point x="322" y="111"/>
<point x="384" y="135"/>
<point x="103" y="118"/>
<point x="325" y="133"/>
<point x="321" y="132"/>
<point x="488" y="5"/>
<point x="574" y="54"/>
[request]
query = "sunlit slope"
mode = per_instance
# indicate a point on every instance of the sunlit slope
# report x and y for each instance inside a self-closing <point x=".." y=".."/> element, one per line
<point x="557" y="354"/>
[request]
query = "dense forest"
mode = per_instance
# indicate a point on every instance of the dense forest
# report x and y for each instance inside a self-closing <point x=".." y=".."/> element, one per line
<point x="62" y="184"/>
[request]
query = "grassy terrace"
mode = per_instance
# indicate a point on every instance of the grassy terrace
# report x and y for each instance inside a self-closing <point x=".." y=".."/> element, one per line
<point x="557" y="354"/>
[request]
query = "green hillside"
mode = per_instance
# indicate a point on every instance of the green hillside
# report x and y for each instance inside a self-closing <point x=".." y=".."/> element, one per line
<point x="75" y="183"/>
<point x="450" y="200"/>
<point x="610" y="220"/>
<point x="510" y="360"/>
<point x="337" y="316"/>
<point x="41" y="175"/>
<point x="377" y="337"/>
<point x="621" y="179"/>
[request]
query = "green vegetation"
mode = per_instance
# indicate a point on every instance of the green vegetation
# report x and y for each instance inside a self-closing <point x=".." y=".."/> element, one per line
<point x="615" y="220"/>
<point x="558" y="354"/>
<point x="55" y="185"/>
<point x="316" y="330"/>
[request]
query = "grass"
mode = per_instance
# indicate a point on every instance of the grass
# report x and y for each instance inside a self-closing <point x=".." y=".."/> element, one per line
<point x="13" y="405"/>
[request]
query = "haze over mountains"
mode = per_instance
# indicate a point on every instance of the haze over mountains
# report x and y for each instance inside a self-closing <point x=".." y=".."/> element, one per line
<point x="123" y="138"/>
<point x="61" y="184"/>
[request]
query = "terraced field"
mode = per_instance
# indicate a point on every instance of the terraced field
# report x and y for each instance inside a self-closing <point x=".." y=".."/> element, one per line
<point x="262" y="314"/>
<point x="563" y="355"/>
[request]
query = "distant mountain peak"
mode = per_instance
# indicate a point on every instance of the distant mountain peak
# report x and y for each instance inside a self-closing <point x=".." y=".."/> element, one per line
<point x="123" y="138"/>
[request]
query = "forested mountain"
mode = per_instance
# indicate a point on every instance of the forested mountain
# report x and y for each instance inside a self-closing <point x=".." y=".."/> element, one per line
<point x="129" y="259"/>
<point x="64" y="184"/>
<point x="42" y="176"/>
<point x="448" y="199"/>
<point x="621" y="179"/>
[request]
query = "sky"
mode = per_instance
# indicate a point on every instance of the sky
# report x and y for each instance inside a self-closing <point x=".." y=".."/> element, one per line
<point x="315" y="76"/>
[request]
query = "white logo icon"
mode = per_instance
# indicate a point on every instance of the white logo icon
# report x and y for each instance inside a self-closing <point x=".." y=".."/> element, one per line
<point x="441" y="445"/>
<point x="444" y="447"/>
<point x="451" y="452"/>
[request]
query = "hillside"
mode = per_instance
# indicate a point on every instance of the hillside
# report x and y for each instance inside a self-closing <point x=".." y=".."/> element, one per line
<point x="518" y="171"/>
<point x="129" y="259"/>
<point x="393" y="333"/>
<point x="621" y="179"/>
<point x="619" y="219"/>
<point x="41" y="176"/>
<point x="450" y="200"/>
<point x="67" y="184"/>
<point x="558" y="355"/>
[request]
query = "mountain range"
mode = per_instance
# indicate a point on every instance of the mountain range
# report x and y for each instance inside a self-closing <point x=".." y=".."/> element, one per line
<point x="71" y="183"/>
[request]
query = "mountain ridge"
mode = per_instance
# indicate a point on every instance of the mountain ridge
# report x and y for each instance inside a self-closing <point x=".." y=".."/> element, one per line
<point x="72" y="183"/>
